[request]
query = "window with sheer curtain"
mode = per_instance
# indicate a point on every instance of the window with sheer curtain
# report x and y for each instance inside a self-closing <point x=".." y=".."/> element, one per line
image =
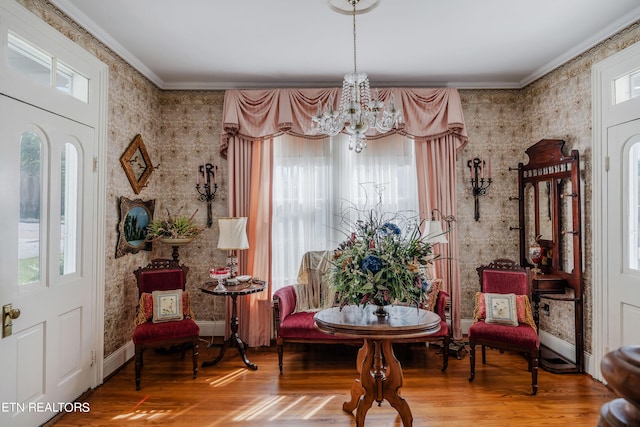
<point x="314" y="182"/>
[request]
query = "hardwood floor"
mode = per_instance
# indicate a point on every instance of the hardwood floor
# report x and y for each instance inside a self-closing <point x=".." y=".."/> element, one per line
<point x="317" y="380"/>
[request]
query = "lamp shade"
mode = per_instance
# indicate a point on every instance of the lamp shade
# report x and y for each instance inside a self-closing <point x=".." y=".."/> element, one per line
<point x="233" y="233"/>
<point x="435" y="233"/>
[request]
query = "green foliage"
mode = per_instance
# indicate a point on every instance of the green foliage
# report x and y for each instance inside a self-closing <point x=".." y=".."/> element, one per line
<point x="178" y="226"/>
<point x="383" y="261"/>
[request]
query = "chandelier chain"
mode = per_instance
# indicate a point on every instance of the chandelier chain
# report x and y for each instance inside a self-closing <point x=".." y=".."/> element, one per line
<point x="355" y="64"/>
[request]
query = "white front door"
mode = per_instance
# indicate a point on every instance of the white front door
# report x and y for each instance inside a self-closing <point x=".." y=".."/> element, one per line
<point x="623" y="256"/>
<point x="46" y="265"/>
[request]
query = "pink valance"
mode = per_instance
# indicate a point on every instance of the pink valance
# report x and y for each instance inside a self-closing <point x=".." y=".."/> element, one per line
<point x="262" y="114"/>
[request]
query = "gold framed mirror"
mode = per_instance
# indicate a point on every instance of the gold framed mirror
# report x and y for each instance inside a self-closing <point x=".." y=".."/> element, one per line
<point x="137" y="164"/>
<point x="135" y="216"/>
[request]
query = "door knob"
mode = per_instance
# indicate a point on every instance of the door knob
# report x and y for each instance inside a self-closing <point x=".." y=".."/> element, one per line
<point x="8" y="314"/>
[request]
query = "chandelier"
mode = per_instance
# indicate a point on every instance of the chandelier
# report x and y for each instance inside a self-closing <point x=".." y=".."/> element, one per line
<point x="357" y="111"/>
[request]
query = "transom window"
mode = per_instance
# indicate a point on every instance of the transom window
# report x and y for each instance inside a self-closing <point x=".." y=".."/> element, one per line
<point x="627" y="87"/>
<point x="46" y="69"/>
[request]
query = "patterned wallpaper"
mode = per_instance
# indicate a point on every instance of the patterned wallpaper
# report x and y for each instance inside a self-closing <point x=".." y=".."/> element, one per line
<point x="182" y="128"/>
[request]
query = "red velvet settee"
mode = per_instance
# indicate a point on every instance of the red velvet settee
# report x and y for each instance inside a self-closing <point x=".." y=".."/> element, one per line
<point x="298" y="327"/>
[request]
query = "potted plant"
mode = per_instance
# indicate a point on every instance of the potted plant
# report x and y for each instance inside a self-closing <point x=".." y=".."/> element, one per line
<point x="174" y="230"/>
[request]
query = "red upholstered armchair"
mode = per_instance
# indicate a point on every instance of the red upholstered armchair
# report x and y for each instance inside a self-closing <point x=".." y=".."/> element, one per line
<point x="164" y="313"/>
<point x="503" y="317"/>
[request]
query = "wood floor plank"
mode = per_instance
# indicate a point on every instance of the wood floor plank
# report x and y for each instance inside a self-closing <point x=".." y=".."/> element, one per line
<point x="317" y="380"/>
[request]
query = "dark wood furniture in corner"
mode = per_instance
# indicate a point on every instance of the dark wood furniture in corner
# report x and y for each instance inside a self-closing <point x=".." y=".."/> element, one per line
<point x="164" y="275"/>
<point x="550" y="213"/>
<point x="233" y="292"/>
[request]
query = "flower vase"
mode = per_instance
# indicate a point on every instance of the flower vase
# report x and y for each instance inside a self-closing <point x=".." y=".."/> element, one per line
<point x="536" y="252"/>
<point x="380" y="312"/>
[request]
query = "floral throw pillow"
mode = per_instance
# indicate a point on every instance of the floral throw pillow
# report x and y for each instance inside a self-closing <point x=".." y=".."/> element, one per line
<point x="167" y="305"/>
<point x="501" y="309"/>
<point x="146" y="307"/>
<point x="523" y="309"/>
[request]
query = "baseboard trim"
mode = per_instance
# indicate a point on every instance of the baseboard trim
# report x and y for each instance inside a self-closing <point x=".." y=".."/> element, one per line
<point x="118" y="358"/>
<point x="566" y="350"/>
<point x="210" y="328"/>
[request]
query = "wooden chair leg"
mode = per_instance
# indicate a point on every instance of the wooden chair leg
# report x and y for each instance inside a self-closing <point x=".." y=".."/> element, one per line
<point x="280" y="344"/>
<point x="138" y="363"/>
<point x="445" y="354"/>
<point x="534" y="372"/>
<point x="472" y="360"/>
<point x="484" y="355"/>
<point x="194" y="355"/>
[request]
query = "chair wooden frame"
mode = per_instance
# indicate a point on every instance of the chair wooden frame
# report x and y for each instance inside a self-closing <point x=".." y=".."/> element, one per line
<point x="530" y="350"/>
<point x="190" y="339"/>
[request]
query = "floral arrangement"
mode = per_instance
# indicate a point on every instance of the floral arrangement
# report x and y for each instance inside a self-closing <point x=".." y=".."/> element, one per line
<point x="383" y="261"/>
<point x="174" y="227"/>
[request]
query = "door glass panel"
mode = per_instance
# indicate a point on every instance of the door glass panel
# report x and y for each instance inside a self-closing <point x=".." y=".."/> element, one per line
<point x="68" y="209"/>
<point x="29" y="227"/>
<point x="634" y="206"/>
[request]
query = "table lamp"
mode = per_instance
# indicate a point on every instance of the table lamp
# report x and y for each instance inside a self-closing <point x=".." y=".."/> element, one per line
<point x="233" y="237"/>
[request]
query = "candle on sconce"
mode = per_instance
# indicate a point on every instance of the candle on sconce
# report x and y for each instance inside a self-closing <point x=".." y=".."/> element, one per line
<point x="198" y="175"/>
<point x="482" y="167"/>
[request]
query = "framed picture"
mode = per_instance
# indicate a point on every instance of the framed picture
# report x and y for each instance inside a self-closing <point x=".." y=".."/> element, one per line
<point x="135" y="216"/>
<point x="136" y="164"/>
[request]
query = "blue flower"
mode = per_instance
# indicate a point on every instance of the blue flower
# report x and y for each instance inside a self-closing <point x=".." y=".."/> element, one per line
<point x="425" y="285"/>
<point x="372" y="264"/>
<point x="390" y="228"/>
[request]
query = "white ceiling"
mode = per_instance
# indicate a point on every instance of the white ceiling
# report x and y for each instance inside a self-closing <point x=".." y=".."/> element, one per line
<point x="215" y="44"/>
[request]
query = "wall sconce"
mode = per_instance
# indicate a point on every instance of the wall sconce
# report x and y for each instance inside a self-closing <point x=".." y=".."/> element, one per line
<point x="479" y="183"/>
<point x="208" y="192"/>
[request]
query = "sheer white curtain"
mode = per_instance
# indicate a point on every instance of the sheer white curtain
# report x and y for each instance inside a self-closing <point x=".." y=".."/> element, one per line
<point x="314" y="181"/>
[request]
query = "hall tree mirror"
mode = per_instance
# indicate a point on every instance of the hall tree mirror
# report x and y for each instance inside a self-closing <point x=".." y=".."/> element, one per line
<point x="545" y="213"/>
<point x="549" y="212"/>
<point x="566" y="211"/>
